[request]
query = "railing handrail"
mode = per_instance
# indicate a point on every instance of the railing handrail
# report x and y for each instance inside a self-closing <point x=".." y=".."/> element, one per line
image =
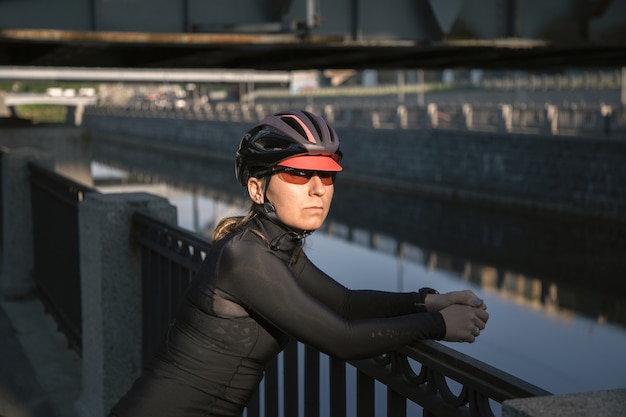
<point x="427" y="388"/>
<point x="170" y="240"/>
<point x="63" y="187"/>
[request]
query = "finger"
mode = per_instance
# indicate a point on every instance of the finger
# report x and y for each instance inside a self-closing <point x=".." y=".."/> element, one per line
<point x="480" y="320"/>
<point x="482" y="315"/>
<point x="469" y="298"/>
<point x="479" y="303"/>
<point x="472" y="337"/>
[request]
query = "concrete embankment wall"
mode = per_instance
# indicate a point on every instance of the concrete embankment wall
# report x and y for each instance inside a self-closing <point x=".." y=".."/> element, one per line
<point x="68" y="144"/>
<point x="563" y="175"/>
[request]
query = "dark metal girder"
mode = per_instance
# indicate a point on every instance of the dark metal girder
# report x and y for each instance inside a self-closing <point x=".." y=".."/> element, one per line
<point x="263" y="52"/>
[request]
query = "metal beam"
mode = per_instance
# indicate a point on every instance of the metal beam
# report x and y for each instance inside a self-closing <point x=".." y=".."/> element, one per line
<point x="22" y="99"/>
<point x="141" y="75"/>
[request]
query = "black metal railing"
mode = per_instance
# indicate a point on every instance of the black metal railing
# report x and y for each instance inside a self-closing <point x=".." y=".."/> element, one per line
<point x="170" y="257"/>
<point x="421" y="373"/>
<point x="55" y="201"/>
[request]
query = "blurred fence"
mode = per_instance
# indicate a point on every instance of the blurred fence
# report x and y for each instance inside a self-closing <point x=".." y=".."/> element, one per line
<point x="547" y="119"/>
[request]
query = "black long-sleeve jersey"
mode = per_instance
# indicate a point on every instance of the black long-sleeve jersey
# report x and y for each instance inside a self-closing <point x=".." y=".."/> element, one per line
<point x="242" y="307"/>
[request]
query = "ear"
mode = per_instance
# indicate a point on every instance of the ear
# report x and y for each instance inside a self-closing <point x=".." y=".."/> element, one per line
<point x="255" y="189"/>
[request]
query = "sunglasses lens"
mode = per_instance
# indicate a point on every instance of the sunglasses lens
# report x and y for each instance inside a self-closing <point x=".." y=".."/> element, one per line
<point x="300" y="177"/>
<point x="328" y="178"/>
<point x="295" y="177"/>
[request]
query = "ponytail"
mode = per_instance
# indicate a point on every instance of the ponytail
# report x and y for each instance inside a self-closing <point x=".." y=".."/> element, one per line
<point x="232" y="224"/>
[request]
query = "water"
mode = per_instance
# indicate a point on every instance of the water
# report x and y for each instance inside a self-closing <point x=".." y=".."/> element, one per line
<point x="563" y="329"/>
<point x="559" y="351"/>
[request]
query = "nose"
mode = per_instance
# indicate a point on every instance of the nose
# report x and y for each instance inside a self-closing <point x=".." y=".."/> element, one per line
<point x="315" y="185"/>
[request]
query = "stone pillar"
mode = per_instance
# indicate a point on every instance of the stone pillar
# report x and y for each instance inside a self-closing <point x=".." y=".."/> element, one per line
<point x="468" y="117"/>
<point x="505" y="120"/>
<point x="17" y="257"/>
<point x="551" y="120"/>
<point x="329" y="113"/>
<point x="610" y="403"/>
<point x="74" y="116"/>
<point x="605" y="115"/>
<point x="110" y="268"/>
<point x="432" y="118"/>
<point x="4" y="110"/>
<point x="623" y="88"/>
<point x="375" y="118"/>
<point x="348" y="115"/>
<point x="402" y="117"/>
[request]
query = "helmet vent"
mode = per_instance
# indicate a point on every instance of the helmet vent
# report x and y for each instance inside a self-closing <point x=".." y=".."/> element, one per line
<point x="299" y="126"/>
<point x="272" y="144"/>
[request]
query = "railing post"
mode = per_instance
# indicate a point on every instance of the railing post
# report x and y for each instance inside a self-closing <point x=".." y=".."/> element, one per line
<point x="311" y="382"/>
<point x="17" y="256"/>
<point x="337" y="385"/>
<point x="110" y="266"/>
<point x="365" y="395"/>
<point x="270" y="381"/>
<point x="290" y="378"/>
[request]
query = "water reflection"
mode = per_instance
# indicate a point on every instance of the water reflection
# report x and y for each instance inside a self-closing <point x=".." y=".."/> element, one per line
<point x="553" y="286"/>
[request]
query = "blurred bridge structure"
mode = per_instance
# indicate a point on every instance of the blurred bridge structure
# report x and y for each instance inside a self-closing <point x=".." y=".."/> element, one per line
<point x="314" y="34"/>
<point x="75" y="104"/>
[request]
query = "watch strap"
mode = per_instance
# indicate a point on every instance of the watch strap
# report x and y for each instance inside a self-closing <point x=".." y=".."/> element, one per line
<point x="420" y="303"/>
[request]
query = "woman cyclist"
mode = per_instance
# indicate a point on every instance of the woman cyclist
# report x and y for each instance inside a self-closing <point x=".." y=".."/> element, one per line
<point x="257" y="289"/>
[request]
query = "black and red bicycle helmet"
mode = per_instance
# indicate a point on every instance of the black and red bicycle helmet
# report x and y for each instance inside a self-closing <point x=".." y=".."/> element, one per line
<point x="295" y="138"/>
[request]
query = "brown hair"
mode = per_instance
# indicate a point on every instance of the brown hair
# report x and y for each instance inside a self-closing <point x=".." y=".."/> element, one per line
<point x="233" y="224"/>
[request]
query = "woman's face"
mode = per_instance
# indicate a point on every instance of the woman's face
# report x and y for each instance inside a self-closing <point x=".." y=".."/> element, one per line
<point x="299" y="206"/>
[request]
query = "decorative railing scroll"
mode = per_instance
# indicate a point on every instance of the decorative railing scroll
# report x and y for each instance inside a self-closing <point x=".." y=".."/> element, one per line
<point x="442" y="381"/>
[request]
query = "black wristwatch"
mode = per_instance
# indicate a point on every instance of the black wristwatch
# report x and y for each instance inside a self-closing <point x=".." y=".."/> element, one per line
<point x="420" y="304"/>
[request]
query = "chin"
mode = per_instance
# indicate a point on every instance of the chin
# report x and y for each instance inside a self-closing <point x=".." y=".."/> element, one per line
<point x="311" y="226"/>
<point x="311" y="223"/>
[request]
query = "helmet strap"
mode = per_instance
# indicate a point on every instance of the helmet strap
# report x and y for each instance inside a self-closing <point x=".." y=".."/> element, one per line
<point x="268" y="207"/>
<point x="270" y="212"/>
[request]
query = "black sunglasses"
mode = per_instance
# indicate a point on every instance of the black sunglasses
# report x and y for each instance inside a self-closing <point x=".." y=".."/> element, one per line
<point x="303" y="176"/>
